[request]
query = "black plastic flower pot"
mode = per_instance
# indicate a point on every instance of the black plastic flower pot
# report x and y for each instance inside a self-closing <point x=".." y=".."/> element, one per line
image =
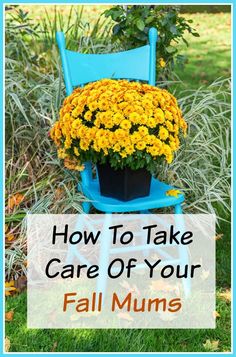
<point x="123" y="184"/>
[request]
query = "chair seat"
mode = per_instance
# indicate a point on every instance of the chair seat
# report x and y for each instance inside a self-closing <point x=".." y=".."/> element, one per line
<point x="156" y="199"/>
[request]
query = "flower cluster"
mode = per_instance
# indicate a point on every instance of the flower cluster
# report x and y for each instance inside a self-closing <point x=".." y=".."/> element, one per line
<point x="126" y="123"/>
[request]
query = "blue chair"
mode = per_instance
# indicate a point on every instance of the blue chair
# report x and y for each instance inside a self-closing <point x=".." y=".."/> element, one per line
<point x="136" y="64"/>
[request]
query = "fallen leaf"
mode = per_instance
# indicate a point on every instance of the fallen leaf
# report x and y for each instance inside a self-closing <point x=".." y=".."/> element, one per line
<point x="127" y="286"/>
<point x="7" y="344"/>
<point x="205" y="274"/>
<point x="25" y="262"/>
<point x="174" y="193"/>
<point x="219" y="236"/>
<point x="155" y="256"/>
<point x="9" y="315"/>
<point x="9" y="287"/>
<point x="15" y="200"/>
<point x="54" y="347"/>
<point x="211" y="346"/>
<point x="160" y="285"/>
<point x="21" y="283"/>
<point x="59" y="193"/>
<point x="125" y="316"/>
<point x="10" y="236"/>
<point x="167" y="316"/>
<point x="215" y="314"/>
<point x="75" y="317"/>
<point x="226" y="295"/>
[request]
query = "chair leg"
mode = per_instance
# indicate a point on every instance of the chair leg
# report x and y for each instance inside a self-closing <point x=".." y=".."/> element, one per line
<point x="178" y="209"/>
<point x="146" y="252"/>
<point x="104" y="257"/>
<point x="86" y="207"/>
<point x="183" y="250"/>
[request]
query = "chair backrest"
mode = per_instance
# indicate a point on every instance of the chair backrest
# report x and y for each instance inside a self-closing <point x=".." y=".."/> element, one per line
<point x="79" y="68"/>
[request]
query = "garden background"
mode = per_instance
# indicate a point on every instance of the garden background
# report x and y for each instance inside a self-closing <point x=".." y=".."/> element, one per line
<point x="36" y="182"/>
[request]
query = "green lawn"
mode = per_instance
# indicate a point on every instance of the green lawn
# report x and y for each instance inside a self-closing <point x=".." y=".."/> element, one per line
<point x="209" y="55"/>
<point x="209" y="59"/>
<point x="23" y="339"/>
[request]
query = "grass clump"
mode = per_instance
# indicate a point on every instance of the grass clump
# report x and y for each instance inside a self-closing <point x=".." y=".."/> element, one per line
<point x="202" y="166"/>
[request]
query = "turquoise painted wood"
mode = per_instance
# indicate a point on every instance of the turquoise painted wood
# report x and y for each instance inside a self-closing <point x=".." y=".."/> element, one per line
<point x="156" y="199"/>
<point x="137" y="64"/>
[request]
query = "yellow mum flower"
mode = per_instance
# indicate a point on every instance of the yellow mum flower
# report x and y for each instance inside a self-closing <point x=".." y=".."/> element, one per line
<point x="135" y="137"/>
<point x="168" y="115"/>
<point x="122" y="105"/>
<point x="150" y="139"/>
<point x="84" y="145"/>
<point x="103" y="105"/>
<point x="121" y="134"/>
<point x="61" y="153"/>
<point x="169" y="158"/>
<point x="130" y="149"/>
<point x="141" y="145"/>
<point x="162" y="63"/>
<point x="117" y="118"/>
<point x="163" y="133"/>
<point x="123" y="154"/>
<point x="93" y="106"/>
<point x="134" y="117"/>
<point x="76" y="123"/>
<point x="109" y="124"/>
<point x="88" y="115"/>
<point x="173" y="145"/>
<point x="169" y="125"/>
<point x="67" y="143"/>
<point x="74" y="101"/>
<point x="151" y="123"/>
<point x="76" y="151"/>
<point x="143" y="130"/>
<point x="116" y="147"/>
<point x="159" y="115"/>
<point x="128" y="97"/>
<point x="154" y="151"/>
<point x="103" y="142"/>
<point x="73" y="165"/>
<point x="166" y="150"/>
<point x="75" y="113"/>
<point x="125" y="124"/>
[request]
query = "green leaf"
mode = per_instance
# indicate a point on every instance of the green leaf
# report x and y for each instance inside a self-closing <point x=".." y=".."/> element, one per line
<point x="116" y="29"/>
<point x="149" y="19"/>
<point x="173" y="29"/>
<point x="140" y="24"/>
<point x="170" y="49"/>
<point x="185" y="41"/>
<point x="195" y="34"/>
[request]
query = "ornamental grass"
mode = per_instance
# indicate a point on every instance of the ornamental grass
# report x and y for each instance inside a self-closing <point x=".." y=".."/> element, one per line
<point x="127" y="124"/>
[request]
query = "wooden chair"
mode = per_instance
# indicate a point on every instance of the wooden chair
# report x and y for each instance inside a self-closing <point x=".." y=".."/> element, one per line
<point x="135" y="64"/>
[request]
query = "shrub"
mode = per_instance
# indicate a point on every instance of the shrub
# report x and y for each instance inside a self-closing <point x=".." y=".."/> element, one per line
<point x="133" y="23"/>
